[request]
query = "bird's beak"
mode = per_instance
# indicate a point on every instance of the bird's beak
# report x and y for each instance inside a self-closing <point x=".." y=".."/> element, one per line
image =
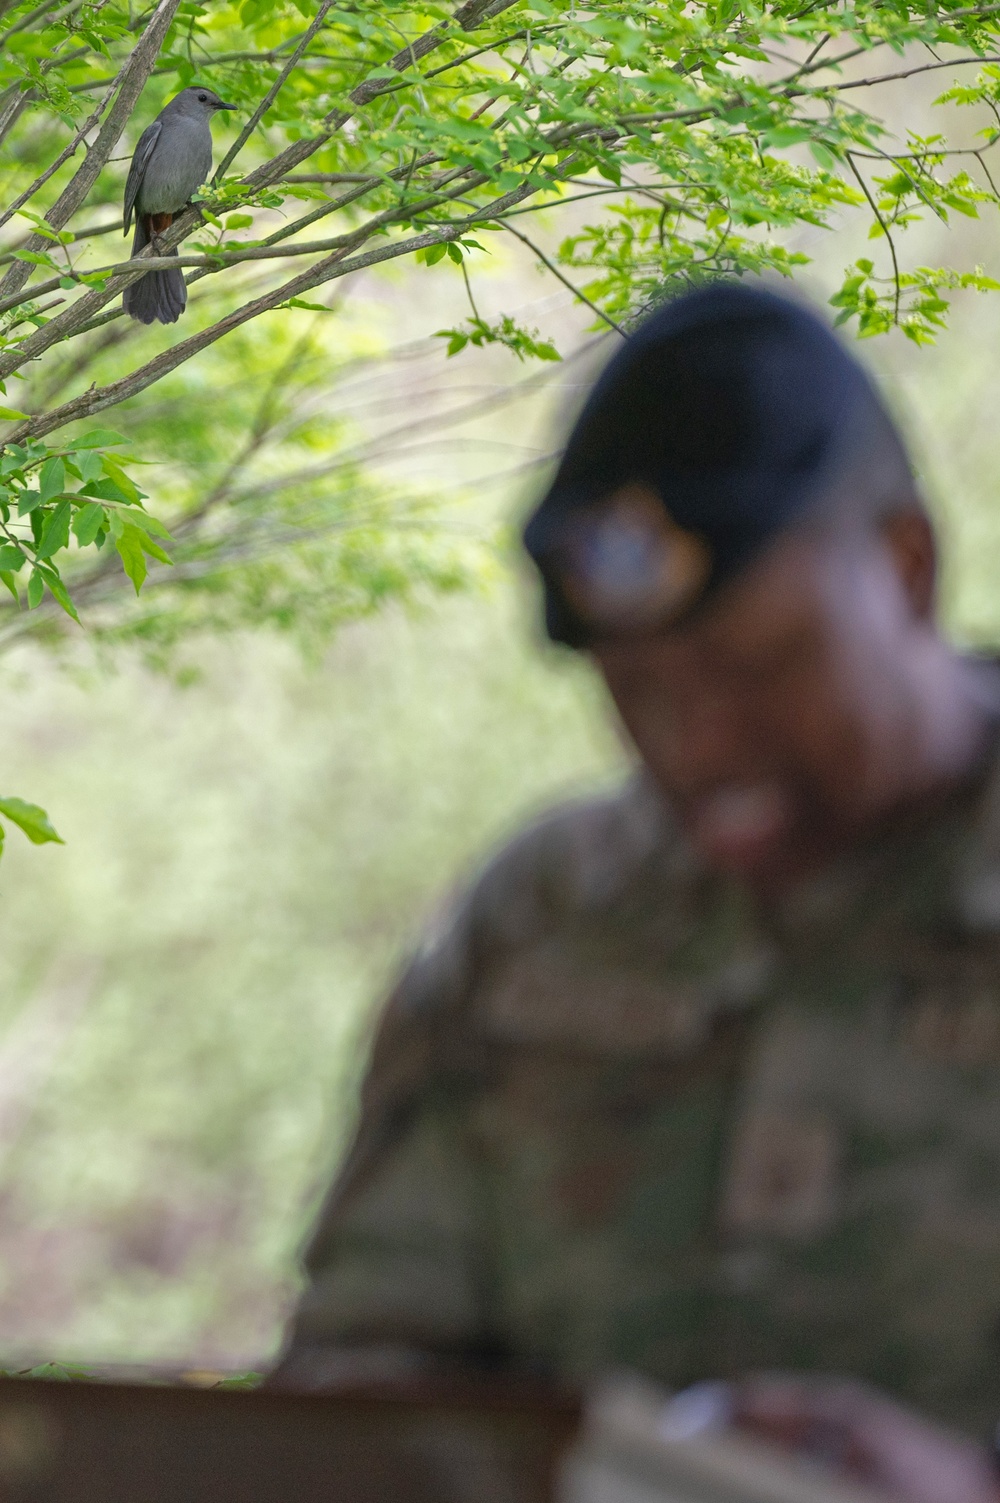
<point x="221" y="106"/>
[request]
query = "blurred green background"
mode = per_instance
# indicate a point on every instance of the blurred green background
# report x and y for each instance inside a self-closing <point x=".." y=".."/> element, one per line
<point x="252" y="845"/>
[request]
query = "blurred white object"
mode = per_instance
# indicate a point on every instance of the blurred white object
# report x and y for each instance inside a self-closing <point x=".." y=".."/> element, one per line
<point x="639" y="1445"/>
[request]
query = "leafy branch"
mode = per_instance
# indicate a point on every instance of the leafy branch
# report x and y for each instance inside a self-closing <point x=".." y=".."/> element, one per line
<point x="674" y="142"/>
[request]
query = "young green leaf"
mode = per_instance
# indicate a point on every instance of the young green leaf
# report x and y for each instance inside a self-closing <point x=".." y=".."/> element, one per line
<point x="59" y="592"/>
<point x="31" y="819"/>
<point x="98" y="438"/>
<point x="89" y="465"/>
<point x="129" y="544"/>
<point x="118" y="477"/>
<point x="55" y="534"/>
<point x="87" y="523"/>
<point x="52" y="480"/>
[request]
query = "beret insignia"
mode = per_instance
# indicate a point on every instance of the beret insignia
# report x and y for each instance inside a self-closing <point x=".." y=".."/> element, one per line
<point x="626" y="565"/>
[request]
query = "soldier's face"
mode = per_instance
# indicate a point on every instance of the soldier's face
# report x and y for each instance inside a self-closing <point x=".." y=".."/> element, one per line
<point x="808" y="702"/>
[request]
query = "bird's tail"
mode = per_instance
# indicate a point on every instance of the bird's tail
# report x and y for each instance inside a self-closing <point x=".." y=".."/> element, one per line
<point x="159" y="295"/>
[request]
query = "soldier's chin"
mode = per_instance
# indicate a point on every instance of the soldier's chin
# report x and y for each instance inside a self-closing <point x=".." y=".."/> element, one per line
<point x="742" y="829"/>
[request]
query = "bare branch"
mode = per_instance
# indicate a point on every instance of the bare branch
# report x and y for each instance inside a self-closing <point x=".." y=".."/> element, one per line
<point x="83" y="311"/>
<point x="330" y="177"/>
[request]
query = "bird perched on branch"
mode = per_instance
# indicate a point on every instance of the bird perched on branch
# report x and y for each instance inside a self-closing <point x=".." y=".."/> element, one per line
<point x="173" y="159"/>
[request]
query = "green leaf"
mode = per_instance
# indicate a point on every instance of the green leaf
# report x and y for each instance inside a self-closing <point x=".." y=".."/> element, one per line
<point x="155" y="551"/>
<point x="788" y="135"/>
<point x="52" y="480"/>
<point x="56" y="531"/>
<point x="143" y="522"/>
<point x="117" y="475"/>
<point x="31" y="819"/>
<point x="8" y="580"/>
<point x="87" y="523"/>
<point x="105" y="490"/>
<point x="129" y="544"/>
<point x="11" y="558"/>
<point x="239" y="221"/>
<point x="36" y="589"/>
<point x="98" y="438"/>
<point x="455" y="253"/>
<point x="27" y="502"/>
<point x="89" y="465"/>
<point x="59" y="592"/>
<point x="12" y="414"/>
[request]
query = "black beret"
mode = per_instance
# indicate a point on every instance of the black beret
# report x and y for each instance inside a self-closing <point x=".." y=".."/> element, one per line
<point x="725" y="416"/>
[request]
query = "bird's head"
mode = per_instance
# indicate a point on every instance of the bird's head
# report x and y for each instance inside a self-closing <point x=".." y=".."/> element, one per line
<point x="197" y="101"/>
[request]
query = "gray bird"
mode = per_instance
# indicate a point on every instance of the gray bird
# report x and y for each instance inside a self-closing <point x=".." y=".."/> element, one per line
<point x="173" y="159"/>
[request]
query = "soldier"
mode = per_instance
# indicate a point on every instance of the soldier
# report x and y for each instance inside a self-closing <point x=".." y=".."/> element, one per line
<point x="703" y="1078"/>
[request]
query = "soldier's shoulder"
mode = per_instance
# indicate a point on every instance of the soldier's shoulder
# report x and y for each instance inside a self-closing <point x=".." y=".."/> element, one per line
<point x="582" y="856"/>
<point x="578" y="861"/>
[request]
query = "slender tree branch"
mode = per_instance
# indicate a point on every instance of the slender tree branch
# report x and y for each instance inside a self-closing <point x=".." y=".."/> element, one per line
<point x="83" y="310"/>
<point x="886" y="232"/>
<point x="881" y="78"/>
<point x="554" y="269"/>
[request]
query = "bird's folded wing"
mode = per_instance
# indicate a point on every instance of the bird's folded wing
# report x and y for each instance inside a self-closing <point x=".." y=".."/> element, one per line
<point x="140" y="161"/>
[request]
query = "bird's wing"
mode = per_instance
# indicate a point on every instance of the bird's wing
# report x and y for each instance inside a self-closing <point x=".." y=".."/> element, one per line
<point x="140" y="161"/>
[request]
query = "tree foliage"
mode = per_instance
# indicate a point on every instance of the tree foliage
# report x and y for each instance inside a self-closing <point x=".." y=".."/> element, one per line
<point x="699" y="133"/>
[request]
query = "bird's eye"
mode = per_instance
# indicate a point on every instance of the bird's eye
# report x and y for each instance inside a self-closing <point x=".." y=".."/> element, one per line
<point x="203" y="98"/>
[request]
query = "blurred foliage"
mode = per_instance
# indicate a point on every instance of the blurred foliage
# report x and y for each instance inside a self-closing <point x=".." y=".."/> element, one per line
<point x="246" y="856"/>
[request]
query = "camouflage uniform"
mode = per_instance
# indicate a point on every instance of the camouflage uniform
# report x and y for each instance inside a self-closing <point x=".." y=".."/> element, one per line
<point x="618" y="1115"/>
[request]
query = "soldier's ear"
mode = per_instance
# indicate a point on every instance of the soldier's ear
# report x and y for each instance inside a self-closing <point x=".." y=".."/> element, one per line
<point x="910" y="538"/>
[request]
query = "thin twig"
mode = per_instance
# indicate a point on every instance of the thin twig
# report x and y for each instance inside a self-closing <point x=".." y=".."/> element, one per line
<point x="594" y="307"/>
<point x="885" y="230"/>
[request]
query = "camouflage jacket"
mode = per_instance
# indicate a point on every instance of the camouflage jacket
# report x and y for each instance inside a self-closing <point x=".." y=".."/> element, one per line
<point x="617" y="1115"/>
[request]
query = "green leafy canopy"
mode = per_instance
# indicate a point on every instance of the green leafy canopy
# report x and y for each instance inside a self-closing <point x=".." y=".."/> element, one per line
<point x="675" y="142"/>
